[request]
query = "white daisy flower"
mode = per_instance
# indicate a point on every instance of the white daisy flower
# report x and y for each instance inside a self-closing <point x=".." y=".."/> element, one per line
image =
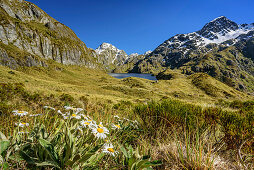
<point x="82" y="115"/>
<point x="116" y="116"/>
<point x="89" y="119"/>
<point x="100" y="132"/>
<point x="59" y="111"/>
<point x="19" y="113"/>
<point x="116" y="126"/>
<point x="22" y="132"/>
<point x="65" y="116"/>
<point x="35" y="115"/>
<point x="68" y="108"/>
<point x="89" y="124"/>
<point x="75" y="116"/>
<point x="22" y="124"/>
<point x="48" y="107"/>
<point x="109" y="149"/>
<point x="77" y="110"/>
<point x="100" y="125"/>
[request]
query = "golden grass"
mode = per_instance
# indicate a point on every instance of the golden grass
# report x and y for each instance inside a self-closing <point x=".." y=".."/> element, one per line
<point x="97" y="85"/>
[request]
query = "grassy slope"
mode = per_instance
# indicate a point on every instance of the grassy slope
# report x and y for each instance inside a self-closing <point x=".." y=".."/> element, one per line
<point x="105" y="98"/>
<point x="94" y="84"/>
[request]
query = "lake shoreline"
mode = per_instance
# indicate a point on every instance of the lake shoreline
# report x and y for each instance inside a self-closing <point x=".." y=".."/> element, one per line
<point x="138" y="75"/>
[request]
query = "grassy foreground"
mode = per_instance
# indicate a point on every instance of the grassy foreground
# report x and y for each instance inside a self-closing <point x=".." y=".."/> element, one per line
<point x="143" y="125"/>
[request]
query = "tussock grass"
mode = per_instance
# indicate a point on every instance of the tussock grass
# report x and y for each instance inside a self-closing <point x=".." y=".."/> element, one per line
<point x="188" y="133"/>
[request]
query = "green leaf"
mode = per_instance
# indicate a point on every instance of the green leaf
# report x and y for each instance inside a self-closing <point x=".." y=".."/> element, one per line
<point x="68" y="152"/>
<point x="145" y="157"/>
<point x="124" y="151"/>
<point x="49" y="148"/>
<point x="48" y="163"/>
<point x="88" y="155"/>
<point x="131" y="161"/>
<point x="141" y="164"/>
<point x="4" y="145"/>
<point x="26" y="157"/>
<point x="149" y="164"/>
<point x="75" y="159"/>
<point x="5" y="166"/>
<point x="2" y="136"/>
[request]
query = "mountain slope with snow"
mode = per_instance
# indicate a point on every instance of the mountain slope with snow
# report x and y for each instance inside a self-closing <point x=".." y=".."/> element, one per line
<point x="110" y="55"/>
<point x="222" y="49"/>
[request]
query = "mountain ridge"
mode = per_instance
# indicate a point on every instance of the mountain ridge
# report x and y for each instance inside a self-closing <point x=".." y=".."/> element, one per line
<point x="222" y="49"/>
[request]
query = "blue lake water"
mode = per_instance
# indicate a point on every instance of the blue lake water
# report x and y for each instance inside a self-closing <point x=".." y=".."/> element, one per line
<point x="124" y="75"/>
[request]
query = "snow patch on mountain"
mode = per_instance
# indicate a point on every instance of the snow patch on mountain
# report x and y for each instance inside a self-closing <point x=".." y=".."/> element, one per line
<point x="217" y="31"/>
<point x="230" y="35"/>
<point x="106" y="46"/>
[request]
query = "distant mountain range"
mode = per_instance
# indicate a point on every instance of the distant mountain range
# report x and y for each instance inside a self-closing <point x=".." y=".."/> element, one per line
<point x="222" y="48"/>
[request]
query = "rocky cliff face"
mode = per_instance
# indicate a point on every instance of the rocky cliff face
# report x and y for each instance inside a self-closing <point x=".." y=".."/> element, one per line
<point x="29" y="37"/>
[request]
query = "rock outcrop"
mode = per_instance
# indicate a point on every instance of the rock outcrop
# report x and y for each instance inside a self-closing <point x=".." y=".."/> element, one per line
<point x="37" y="37"/>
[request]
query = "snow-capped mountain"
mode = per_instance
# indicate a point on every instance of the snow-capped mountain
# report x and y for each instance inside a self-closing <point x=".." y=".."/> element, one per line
<point x="111" y="57"/>
<point x="110" y="54"/>
<point x="222" y="49"/>
<point x="220" y="32"/>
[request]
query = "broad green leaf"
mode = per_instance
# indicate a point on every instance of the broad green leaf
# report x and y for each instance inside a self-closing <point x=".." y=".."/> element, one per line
<point x="2" y="136"/>
<point x="26" y="157"/>
<point x="49" y="148"/>
<point x="131" y="161"/>
<point x="5" y="166"/>
<point x="124" y="151"/>
<point x="4" y="145"/>
<point x="67" y="152"/>
<point x="90" y="153"/>
<point x="75" y="159"/>
<point x="149" y="164"/>
<point x="141" y="163"/>
<point x="48" y="163"/>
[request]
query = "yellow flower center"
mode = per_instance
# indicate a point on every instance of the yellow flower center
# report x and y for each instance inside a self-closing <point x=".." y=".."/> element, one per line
<point x="118" y="126"/>
<point x="21" y="112"/>
<point x="86" y="123"/>
<point x="100" y="125"/>
<point x="100" y="130"/>
<point x="23" y="123"/>
<point x="111" y="150"/>
<point x="73" y="115"/>
<point x="89" y="120"/>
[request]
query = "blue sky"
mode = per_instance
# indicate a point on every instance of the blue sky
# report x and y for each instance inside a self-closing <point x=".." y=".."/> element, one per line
<point x="141" y="25"/>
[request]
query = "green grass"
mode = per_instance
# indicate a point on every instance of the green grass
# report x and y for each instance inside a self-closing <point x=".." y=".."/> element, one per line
<point x="206" y="124"/>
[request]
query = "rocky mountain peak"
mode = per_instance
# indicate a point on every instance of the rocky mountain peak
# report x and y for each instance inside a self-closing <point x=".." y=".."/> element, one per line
<point x="220" y="25"/>
<point x="106" y="46"/>
<point x="109" y="54"/>
<point x="148" y="52"/>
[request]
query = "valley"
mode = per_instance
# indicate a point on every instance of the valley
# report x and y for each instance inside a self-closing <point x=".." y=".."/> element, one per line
<point x="60" y="108"/>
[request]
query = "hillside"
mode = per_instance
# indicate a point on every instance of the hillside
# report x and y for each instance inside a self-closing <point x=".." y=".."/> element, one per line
<point x="59" y="109"/>
<point x="222" y="49"/>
